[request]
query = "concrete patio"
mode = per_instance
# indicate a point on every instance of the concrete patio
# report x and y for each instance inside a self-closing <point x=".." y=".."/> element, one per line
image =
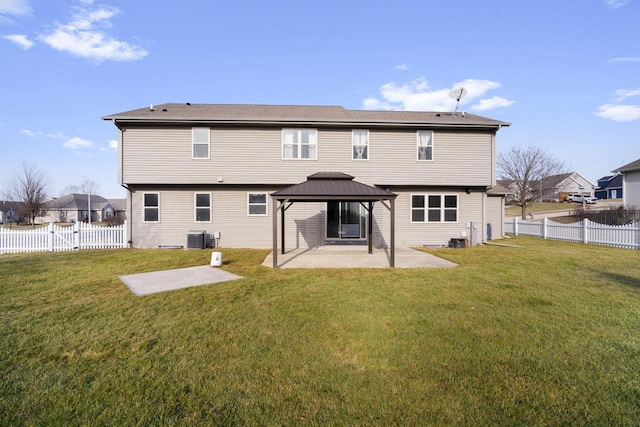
<point x="355" y="257"/>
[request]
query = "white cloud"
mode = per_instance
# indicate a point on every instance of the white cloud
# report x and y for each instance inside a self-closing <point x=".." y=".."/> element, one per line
<point x="492" y="103"/>
<point x="619" y="113"/>
<point x="39" y="133"/>
<point x="30" y="133"/>
<point x="76" y="142"/>
<point x="84" y="36"/>
<point x="615" y="4"/>
<point x="626" y="93"/>
<point x="402" y="67"/>
<point x="19" y="39"/>
<point x="15" y="7"/>
<point x="625" y="59"/>
<point x="112" y="147"/>
<point x="418" y="96"/>
<point x="56" y="135"/>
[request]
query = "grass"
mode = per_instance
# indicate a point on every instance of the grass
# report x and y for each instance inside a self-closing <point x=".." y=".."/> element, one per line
<point x="541" y="335"/>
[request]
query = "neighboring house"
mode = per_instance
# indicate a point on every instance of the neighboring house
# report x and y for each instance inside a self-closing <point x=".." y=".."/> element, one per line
<point x="630" y="183"/>
<point x="74" y="207"/>
<point x="512" y="191"/>
<point x="117" y="207"/>
<point x="556" y="188"/>
<point x="234" y="170"/>
<point x="609" y="187"/>
<point x="11" y="212"/>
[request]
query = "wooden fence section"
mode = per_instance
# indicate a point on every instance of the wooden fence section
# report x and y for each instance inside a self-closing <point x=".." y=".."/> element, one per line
<point x="56" y="238"/>
<point x="585" y="231"/>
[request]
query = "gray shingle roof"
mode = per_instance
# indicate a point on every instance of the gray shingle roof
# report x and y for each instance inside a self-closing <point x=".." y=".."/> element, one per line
<point x="297" y="114"/>
<point x="332" y="186"/>
<point x="629" y="167"/>
<point x="498" y="190"/>
<point x="77" y="201"/>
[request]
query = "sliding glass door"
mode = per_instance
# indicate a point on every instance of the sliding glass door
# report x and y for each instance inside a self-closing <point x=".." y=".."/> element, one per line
<point x="345" y="221"/>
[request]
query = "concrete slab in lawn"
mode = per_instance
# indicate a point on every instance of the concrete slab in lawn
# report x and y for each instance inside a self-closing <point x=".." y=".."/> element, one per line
<point x="169" y="280"/>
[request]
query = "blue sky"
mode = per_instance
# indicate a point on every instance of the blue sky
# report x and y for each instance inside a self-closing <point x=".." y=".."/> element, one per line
<point x="566" y="74"/>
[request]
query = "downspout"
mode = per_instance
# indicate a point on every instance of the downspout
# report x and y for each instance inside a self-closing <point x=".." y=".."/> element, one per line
<point x="125" y="186"/>
<point x="129" y="214"/>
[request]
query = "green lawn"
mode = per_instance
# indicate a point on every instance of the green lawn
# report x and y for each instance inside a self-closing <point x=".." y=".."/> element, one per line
<point x="548" y="334"/>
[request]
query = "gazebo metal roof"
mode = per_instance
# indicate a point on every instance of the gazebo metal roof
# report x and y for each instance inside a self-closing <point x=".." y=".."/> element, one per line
<point x="330" y="186"/>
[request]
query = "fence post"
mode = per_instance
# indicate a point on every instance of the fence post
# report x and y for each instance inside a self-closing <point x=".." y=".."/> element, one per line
<point x="50" y="237"/>
<point x="76" y="235"/>
<point x="585" y="238"/>
<point x="125" y="234"/>
<point x="515" y="225"/>
<point x="544" y="228"/>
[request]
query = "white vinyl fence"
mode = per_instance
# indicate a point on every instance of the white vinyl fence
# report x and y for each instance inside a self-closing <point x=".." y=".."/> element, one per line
<point x="585" y="231"/>
<point x="55" y="238"/>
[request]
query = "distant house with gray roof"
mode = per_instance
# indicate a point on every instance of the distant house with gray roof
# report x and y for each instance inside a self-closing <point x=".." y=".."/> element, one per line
<point x="75" y="207"/>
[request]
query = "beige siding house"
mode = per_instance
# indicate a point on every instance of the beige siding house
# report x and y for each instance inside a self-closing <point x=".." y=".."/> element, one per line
<point x="214" y="167"/>
<point x="631" y="184"/>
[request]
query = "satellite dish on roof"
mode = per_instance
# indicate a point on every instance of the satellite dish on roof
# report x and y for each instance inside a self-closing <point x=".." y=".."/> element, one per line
<point x="457" y="93"/>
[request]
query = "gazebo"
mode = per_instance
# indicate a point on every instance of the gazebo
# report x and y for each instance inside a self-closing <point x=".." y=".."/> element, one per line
<point x="331" y="186"/>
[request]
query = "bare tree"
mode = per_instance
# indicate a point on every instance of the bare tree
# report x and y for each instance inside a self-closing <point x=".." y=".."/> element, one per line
<point x="83" y="187"/>
<point x="29" y="187"/>
<point x="527" y="168"/>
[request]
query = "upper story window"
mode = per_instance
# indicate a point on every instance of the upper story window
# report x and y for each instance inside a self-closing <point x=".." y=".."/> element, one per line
<point x="434" y="208"/>
<point x="360" y="139"/>
<point x="425" y="145"/>
<point x="203" y="207"/>
<point x="200" y="141"/>
<point x="299" y="143"/>
<point x="151" y="207"/>
<point x="257" y="204"/>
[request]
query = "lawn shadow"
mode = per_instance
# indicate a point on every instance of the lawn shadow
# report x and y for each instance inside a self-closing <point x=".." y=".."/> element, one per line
<point x="622" y="279"/>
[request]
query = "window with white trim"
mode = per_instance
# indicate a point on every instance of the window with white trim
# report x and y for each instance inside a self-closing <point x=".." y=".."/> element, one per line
<point x="257" y="204"/>
<point x="299" y="144"/>
<point x="151" y="207"/>
<point x="202" y="207"/>
<point x="200" y="142"/>
<point x="434" y="208"/>
<point x="360" y="141"/>
<point x="425" y="144"/>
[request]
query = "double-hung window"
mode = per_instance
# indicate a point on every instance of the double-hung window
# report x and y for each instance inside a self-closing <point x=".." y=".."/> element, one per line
<point x="202" y="207"/>
<point x="200" y="142"/>
<point x="151" y="207"/>
<point x="434" y="208"/>
<point x="257" y="204"/>
<point x="425" y="145"/>
<point x="299" y="143"/>
<point x="360" y="139"/>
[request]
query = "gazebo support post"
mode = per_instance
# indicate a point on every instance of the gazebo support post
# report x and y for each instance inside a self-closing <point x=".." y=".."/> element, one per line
<point x="282" y="209"/>
<point x="274" y="203"/>
<point x="370" y="228"/>
<point x="393" y="234"/>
